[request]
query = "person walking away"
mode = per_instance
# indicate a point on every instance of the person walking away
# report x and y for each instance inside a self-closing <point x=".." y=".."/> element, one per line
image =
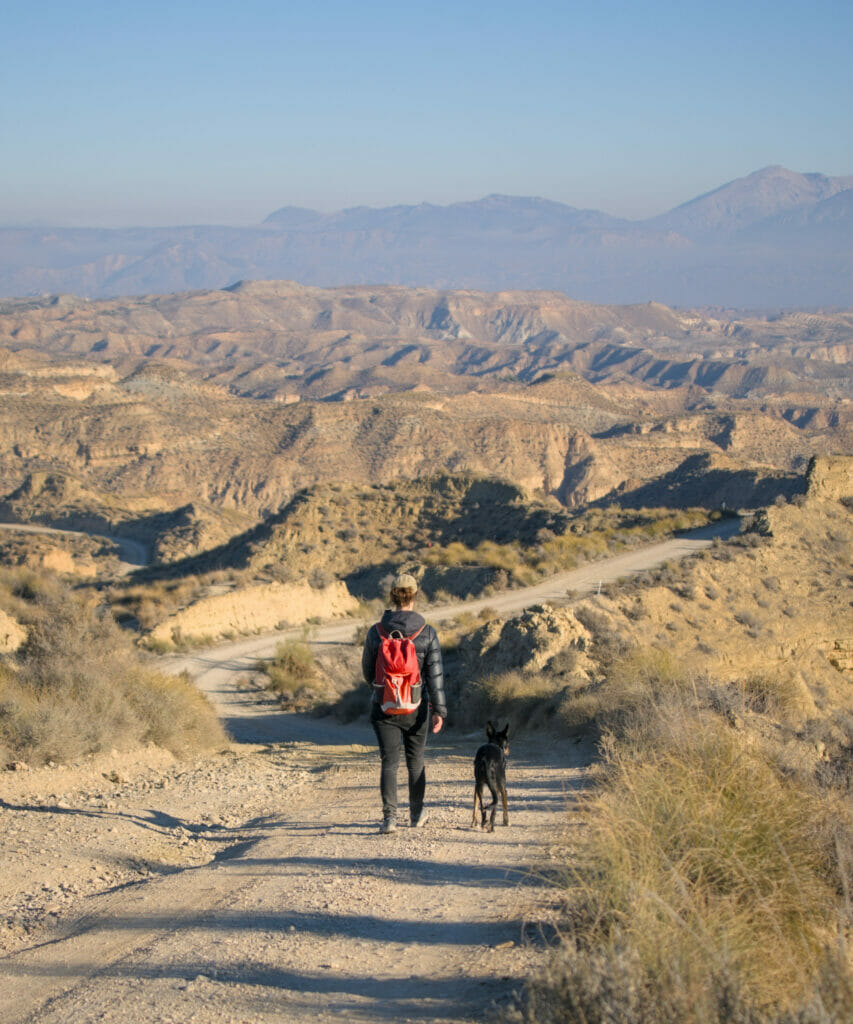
<point x="402" y="661"/>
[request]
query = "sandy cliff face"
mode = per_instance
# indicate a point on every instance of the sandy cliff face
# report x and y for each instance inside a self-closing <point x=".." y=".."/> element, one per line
<point x="254" y="610"/>
<point x="830" y="478"/>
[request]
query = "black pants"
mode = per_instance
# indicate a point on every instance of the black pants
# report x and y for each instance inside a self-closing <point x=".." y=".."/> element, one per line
<point x="395" y="733"/>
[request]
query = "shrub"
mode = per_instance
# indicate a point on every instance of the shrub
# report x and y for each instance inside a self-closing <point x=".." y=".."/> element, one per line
<point x="175" y="714"/>
<point x="589" y="987"/>
<point x="778" y="695"/>
<point x="528" y="699"/>
<point x="292" y="669"/>
<point x="636" y="684"/>
<point x="80" y="687"/>
<point x="708" y="886"/>
<point x="700" y="855"/>
<point x="320" y="578"/>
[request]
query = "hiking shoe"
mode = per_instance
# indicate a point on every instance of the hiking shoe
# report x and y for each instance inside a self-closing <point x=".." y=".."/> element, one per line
<point x="420" y="819"/>
<point x="388" y="825"/>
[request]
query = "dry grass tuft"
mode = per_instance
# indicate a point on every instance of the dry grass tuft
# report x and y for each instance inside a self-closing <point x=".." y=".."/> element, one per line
<point x="293" y="669"/>
<point x="703" y="856"/>
<point x="779" y="695"/>
<point x="528" y="700"/>
<point x="709" y="886"/>
<point x="588" y="987"/>
<point x="78" y="687"/>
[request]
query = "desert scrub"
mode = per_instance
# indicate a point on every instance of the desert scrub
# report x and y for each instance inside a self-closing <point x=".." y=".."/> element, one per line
<point x="589" y="987"/>
<point x="455" y="631"/>
<point x="528" y="700"/>
<point x="78" y="686"/>
<point x="511" y="559"/>
<point x="293" y="669"/>
<point x="151" y="602"/>
<point x="709" y="865"/>
<point x="594" y="534"/>
<point x="709" y="886"/>
<point x="778" y="695"/>
<point x="630" y="694"/>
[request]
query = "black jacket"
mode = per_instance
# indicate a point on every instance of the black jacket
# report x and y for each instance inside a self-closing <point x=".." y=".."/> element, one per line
<point x="426" y="646"/>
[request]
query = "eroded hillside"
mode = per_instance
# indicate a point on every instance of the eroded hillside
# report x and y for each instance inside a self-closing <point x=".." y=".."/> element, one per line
<point x="767" y="615"/>
<point x="186" y="420"/>
<point x="91" y="446"/>
<point x="279" y="339"/>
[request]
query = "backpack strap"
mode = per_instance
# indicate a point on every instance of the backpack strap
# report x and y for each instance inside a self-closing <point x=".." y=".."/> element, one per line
<point x="385" y="635"/>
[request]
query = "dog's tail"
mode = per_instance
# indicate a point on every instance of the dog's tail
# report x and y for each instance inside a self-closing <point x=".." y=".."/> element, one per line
<point x="492" y="780"/>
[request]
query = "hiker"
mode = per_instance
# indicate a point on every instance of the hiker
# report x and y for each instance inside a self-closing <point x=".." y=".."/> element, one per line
<point x="401" y="718"/>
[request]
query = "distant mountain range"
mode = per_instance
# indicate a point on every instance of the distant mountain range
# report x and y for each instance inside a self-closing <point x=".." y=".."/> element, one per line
<point x="774" y="239"/>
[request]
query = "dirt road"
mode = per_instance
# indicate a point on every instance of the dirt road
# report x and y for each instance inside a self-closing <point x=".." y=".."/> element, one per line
<point x="132" y="553"/>
<point x="307" y="913"/>
<point x="216" y="670"/>
<point x="255" y="886"/>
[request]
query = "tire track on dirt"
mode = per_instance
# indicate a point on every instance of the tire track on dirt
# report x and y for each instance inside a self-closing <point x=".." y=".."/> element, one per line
<point x="316" y="916"/>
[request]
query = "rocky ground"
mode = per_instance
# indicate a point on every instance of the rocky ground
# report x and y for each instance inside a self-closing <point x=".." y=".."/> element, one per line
<point x="68" y="833"/>
<point x="254" y="885"/>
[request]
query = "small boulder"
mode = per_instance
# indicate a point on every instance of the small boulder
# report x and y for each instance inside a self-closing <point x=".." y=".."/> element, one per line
<point x="528" y="641"/>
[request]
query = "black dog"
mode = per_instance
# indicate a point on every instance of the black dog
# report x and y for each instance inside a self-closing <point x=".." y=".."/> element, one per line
<point x="490" y="772"/>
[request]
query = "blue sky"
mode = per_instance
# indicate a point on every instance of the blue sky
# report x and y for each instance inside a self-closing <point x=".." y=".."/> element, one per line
<point x="172" y="113"/>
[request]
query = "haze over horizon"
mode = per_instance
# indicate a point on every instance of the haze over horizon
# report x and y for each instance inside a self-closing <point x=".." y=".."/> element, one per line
<point x="117" y="116"/>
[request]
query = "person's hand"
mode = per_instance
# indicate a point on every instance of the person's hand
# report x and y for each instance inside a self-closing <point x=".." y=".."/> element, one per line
<point x="437" y="723"/>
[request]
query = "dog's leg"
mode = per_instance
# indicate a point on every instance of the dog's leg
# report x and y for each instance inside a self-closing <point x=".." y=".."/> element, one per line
<point x="477" y="799"/>
<point x="503" y="798"/>
<point x="493" y="808"/>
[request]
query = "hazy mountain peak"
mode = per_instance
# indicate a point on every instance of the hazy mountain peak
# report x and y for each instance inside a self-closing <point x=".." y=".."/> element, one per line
<point x="501" y="200"/>
<point x="496" y="212"/>
<point x="737" y="204"/>
<point x="292" y="217"/>
<point x="774" y="238"/>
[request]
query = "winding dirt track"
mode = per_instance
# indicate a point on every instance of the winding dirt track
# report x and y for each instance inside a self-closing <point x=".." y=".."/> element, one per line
<point x="217" y="669"/>
<point x="309" y="914"/>
<point x="133" y="553"/>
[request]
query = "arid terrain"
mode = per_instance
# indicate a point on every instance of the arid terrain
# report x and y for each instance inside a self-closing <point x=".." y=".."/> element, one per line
<point x="252" y="885"/>
<point x="297" y="792"/>
<point x="207" y="493"/>
<point x="186" y="420"/>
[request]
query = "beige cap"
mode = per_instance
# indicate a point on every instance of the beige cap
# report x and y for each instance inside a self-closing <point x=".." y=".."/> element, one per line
<point x="404" y="581"/>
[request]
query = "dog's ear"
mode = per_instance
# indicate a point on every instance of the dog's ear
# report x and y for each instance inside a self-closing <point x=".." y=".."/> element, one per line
<point x="490" y="731"/>
<point x="504" y="733"/>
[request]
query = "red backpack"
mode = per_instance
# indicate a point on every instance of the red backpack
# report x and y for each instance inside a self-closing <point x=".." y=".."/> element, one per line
<point x="398" y="675"/>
